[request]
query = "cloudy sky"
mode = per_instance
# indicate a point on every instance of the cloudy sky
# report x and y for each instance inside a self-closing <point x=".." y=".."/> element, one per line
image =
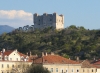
<point x="18" y="13"/>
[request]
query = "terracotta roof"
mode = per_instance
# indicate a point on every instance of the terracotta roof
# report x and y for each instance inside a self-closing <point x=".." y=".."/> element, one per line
<point x="97" y="62"/>
<point x="21" y="54"/>
<point x="30" y="57"/>
<point x="86" y="64"/>
<point x="54" y="59"/>
<point x="8" y="52"/>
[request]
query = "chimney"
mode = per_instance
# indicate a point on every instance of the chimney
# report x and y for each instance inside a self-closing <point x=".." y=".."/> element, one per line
<point x="42" y="54"/>
<point x="36" y="55"/>
<point x="15" y="50"/>
<point x="1" y="53"/>
<point x="3" y="50"/>
<point x="46" y="54"/>
<point x="77" y="58"/>
<point x="30" y="53"/>
<point x="69" y="58"/>
<point x="27" y="53"/>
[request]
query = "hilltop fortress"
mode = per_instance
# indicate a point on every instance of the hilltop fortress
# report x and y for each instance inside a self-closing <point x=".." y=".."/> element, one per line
<point x="48" y="20"/>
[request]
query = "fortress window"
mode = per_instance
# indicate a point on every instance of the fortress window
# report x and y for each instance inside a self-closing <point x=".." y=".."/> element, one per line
<point x="39" y="20"/>
<point x="50" y="19"/>
<point x="38" y="24"/>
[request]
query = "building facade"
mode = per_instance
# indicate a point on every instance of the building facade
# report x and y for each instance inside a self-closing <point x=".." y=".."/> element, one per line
<point x="58" y="64"/>
<point x="48" y="20"/>
<point x="12" y="61"/>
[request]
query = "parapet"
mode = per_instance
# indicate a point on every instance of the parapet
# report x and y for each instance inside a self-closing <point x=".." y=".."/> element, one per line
<point x="35" y="14"/>
<point x="44" y="13"/>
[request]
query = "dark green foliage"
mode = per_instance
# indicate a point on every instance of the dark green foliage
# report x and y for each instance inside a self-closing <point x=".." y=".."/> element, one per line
<point x="69" y="42"/>
<point x="37" y="69"/>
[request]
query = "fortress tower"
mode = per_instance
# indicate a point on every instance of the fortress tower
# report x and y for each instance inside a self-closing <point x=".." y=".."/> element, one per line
<point x="48" y="20"/>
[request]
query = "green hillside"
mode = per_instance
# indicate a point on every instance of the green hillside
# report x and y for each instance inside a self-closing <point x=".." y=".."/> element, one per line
<point x="70" y="42"/>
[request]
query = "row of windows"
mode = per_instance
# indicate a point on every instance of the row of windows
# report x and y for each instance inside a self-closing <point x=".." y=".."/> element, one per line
<point x="62" y="71"/>
<point x="6" y="72"/>
<point x="12" y="66"/>
<point x="72" y="70"/>
<point x="51" y="20"/>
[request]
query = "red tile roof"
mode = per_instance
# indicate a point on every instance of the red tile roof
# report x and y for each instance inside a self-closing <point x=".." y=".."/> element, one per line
<point x="8" y="52"/>
<point x="97" y="62"/>
<point x="21" y="54"/>
<point x="54" y="59"/>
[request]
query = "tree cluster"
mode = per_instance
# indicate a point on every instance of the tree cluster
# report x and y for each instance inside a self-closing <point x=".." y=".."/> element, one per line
<point x="70" y="42"/>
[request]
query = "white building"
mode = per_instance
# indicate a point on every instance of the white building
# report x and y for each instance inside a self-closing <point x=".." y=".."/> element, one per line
<point x="9" y="60"/>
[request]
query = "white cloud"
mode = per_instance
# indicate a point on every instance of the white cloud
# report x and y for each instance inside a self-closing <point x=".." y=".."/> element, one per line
<point x="15" y="18"/>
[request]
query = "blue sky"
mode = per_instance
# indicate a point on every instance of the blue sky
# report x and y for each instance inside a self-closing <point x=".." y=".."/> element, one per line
<point x="18" y="13"/>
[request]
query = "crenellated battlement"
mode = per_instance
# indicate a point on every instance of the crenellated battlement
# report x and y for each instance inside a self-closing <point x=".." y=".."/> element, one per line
<point x="48" y="20"/>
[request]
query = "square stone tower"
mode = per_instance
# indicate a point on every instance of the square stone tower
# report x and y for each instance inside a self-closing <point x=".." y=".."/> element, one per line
<point x="48" y="20"/>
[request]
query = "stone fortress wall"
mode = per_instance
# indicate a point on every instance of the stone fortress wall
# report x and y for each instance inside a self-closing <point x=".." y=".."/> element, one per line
<point x="48" y="20"/>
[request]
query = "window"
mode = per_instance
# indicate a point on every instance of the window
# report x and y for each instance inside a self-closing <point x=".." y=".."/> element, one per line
<point x="92" y="70"/>
<point x="62" y="71"/>
<point x="50" y="19"/>
<point x="56" y="69"/>
<point x="96" y="70"/>
<point x="66" y="70"/>
<point x="72" y="70"/>
<point x="18" y="66"/>
<point x="83" y="70"/>
<point x="10" y="59"/>
<point x="2" y="65"/>
<point x="12" y="66"/>
<point x="17" y="59"/>
<point x="51" y="69"/>
<point x="7" y="65"/>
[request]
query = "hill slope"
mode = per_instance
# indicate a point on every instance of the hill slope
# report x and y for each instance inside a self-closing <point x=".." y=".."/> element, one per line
<point x="5" y="28"/>
<point x="70" y="42"/>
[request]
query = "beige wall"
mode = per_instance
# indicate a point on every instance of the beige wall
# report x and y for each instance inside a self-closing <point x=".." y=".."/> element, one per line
<point x="14" y="56"/>
<point x="98" y="70"/>
<point x="7" y="66"/>
<point x="69" y="67"/>
<point x="88" y="70"/>
<point x="65" y="67"/>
